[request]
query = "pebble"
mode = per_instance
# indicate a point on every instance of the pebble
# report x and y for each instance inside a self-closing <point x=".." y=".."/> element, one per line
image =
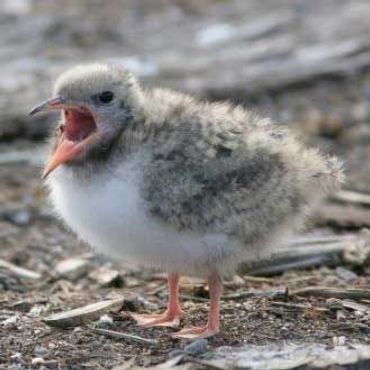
<point x="72" y="268"/>
<point x="197" y="347"/>
<point x="17" y="356"/>
<point x="345" y="274"/>
<point x="105" y="321"/>
<point x="339" y="341"/>
<point x="10" y="321"/>
<point x="284" y="331"/>
<point x="37" y="361"/>
<point x="40" y="351"/>
<point x="38" y="310"/>
<point x="107" y="277"/>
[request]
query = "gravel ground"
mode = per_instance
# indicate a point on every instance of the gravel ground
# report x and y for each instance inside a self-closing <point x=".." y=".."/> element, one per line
<point x="33" y="239"/>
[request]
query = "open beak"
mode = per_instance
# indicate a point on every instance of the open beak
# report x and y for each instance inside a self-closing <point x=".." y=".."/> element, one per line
<point x="71" y="144"/>
<point x="50" y="104"/>
<point x="66" y="151"/>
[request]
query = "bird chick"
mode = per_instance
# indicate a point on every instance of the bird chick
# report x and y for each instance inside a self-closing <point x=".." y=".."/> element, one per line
<point x="160" y="178"/>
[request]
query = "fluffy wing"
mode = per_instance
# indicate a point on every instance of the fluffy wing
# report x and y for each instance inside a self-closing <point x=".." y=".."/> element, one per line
<point x="239" y="175"/>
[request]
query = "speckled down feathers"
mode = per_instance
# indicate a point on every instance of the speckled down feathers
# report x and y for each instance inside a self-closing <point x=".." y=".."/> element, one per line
<point x="222" y="168"/>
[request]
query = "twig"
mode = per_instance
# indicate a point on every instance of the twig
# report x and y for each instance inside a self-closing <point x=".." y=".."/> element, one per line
<point x="260" y="294"/>
<point x="310" y="239"/>
<point x="299" y="307"/>
<point x="348" y="196"/>
<point x="120" y="335"/>
<point x="343" y="216"/>
<point x="315" y="251"/>
<point x="356" y="306"/>
<point x="18" y="271"/>
<point x="157" y="290"/>
<point x="329" y="292"/>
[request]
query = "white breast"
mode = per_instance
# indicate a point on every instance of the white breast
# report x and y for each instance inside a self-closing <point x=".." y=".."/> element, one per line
<point x="108" y="212"/>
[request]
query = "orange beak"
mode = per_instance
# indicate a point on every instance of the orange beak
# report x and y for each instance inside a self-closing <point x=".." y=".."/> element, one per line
<point x="66" y="149"/>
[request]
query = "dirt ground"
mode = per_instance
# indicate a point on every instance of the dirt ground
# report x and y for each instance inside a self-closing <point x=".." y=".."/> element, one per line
<point x="33" y="239"/>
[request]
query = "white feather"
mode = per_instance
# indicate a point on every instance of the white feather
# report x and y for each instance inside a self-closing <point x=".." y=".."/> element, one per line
<point x="108" y="212"/>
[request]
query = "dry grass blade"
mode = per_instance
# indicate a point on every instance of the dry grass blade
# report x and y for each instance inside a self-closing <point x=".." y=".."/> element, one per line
<point x="343" y="216"/>
<point x="18" y="271"/>
<point x="348" y="196"/>
<point x="356" y="306"/>
<point x="344" y="293"/>
<point x="263" y="293"/>
<point x="306" y="252"/>
<point x="120" y="335"/>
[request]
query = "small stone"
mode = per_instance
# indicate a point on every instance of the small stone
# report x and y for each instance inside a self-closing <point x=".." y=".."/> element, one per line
<point x="16" y="357"/>
<point x="105" y="321"/>
<point x="40" y="351"/>
<point x="284" y="331"/>
<point x="334" y="304"/>
<point x="345" y="274"/>
<point x="107" y="277"/>
<point x="52" y="365"/>
<point x="10" y="321"/>
<point x="38" y="310"/>
<point x="358" y="314"/>
<point x="339" y="341"/>
<point x="197" y="347"/>
<point x="36" y="361"/>
<point x="72" y="268"/>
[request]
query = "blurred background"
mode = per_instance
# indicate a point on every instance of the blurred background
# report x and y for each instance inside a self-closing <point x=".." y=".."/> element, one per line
<point x="305" y="63"/>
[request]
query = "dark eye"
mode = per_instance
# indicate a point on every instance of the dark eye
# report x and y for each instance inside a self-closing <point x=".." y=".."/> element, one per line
<point x="106" y="97"/>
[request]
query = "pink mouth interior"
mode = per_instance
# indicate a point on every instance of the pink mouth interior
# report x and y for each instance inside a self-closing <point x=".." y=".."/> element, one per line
<point x="79" y="124"/>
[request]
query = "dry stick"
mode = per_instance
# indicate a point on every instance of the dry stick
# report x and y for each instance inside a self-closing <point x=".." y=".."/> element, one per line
<point x="311" y="239"/>
<point x="19" y="272"/>
<point x="120" y="335"/>
<point x="311" y="251"/>
<point x="356" y="306"/>
<point x="343" y="215"/>
<point x="348" y="196"/>
<point x="259" y="294"/>
<point x="332" y="292"/>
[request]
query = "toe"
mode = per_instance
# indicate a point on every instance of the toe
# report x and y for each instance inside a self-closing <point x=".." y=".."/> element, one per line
<point x="195" y="333"/>
<point x="148" y="321"/>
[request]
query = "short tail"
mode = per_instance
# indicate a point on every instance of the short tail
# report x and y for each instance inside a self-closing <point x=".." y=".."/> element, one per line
<point x="322" y="174"/>
<point x="333" y="176"/>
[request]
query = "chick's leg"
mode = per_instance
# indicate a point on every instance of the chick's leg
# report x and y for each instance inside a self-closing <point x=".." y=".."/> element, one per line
<point x="171" y="317"/>
<point x="213" y="325"/>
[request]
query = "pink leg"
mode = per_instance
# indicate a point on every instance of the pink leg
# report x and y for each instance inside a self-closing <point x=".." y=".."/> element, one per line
<point x="171" y="317"/>
<point x="213" y="325"/>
